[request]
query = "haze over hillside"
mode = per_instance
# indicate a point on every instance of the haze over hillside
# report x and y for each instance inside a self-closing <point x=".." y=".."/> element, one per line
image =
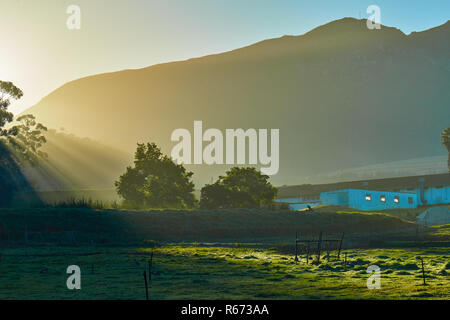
<point x="403" y="168"/>
<point x="77" y="164"/>
<point x="342" y="96"/>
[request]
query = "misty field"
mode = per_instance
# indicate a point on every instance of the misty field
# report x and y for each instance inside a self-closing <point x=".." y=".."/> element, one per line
<point x="220" y="271"/>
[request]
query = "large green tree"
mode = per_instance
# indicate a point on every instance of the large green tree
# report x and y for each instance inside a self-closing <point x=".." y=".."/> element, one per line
<point x="239" y="188"/>
<point x="156" y="181"/>
<point x="445" y="139"/>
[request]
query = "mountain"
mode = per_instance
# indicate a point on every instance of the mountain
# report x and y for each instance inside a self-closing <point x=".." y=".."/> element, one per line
<point x="403" y="168"/>
<point x="75" y="163"/>
<point x="342" y="96"/>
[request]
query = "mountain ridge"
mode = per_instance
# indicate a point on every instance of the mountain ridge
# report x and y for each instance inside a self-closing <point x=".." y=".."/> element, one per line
<point x="329" y="96"/>
<point x="446" y="24"/>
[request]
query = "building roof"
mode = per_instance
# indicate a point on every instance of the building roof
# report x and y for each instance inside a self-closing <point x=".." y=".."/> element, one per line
<point x="388" y="184"/>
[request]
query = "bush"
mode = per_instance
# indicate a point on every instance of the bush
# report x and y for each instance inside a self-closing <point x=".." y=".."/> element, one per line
<point x="240" y="188"/>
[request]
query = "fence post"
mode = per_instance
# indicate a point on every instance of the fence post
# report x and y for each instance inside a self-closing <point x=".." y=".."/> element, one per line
<point x="146" y="285"/>
<point x="328" y="251"/>
<point x="340" y="245"/>
<point x="423" y="272"/>
<point x="319" y="247"/>
<point x="307" y="254"/>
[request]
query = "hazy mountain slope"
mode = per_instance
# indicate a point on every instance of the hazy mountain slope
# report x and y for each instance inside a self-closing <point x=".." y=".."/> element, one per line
<point x="75" y="163"/>
<point x="402" y="168"/>
<point x="342" y="96"/>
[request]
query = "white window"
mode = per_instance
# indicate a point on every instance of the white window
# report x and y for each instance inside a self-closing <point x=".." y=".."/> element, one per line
<point x="368" y="197"/>
<point x="383" y="198"/>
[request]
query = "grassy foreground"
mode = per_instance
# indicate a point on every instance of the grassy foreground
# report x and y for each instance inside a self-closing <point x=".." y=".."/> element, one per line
<point x="220" y="271"/>
<point x="229" y="254"/>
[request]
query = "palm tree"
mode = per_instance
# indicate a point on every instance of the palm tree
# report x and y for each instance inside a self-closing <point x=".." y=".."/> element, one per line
<point x="445" y="139"/>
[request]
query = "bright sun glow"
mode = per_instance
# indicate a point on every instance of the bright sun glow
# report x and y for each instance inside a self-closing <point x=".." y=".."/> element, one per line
<point x="7" y="65"/>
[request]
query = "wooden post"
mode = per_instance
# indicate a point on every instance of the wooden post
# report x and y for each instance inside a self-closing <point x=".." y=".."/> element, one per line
<point x="296" y="246"/>
<point x="340" y="246"/>
<point x="345" y="261"/>
<point x="423" y="272"/>
<point x="328" y="251"/>
<point x="146" y="285"/>
<point x="319" y="247"/>
<point x="307" y="254"/>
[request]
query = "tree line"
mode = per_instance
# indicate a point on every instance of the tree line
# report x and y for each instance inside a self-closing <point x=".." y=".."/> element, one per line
<point x="156" y="181"/>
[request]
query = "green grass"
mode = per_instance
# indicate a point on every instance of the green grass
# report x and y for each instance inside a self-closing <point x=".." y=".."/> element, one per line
<point x="84" y="203"/>
<point x="220" y="272"/>
<point x="441" y="231"/>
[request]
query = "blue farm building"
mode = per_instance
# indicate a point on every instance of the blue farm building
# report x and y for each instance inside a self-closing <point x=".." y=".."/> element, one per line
<point x="379" y="194"/>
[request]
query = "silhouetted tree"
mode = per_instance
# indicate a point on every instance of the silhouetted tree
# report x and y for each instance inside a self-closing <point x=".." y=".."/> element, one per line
<point x="240" y="188"/>
<point x="156" y="181"/>
<point x="216" y="196"/>
<point x="8" y="92"/>
<point x="26" y="137"/>
<point x="445" y="139"/>
<point x="19" y="145"/>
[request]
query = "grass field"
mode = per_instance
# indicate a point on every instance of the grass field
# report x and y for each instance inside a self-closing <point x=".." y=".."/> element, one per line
<point x="230" y="254"/>
<point x="221" y="271"/>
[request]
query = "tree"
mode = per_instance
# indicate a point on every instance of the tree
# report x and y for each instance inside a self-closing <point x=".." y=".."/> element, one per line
<point x="239" y="188"/>
<point x="156" y="181"/>
<point x="26" y="138"/>
<point x="19" y="145"/>
<point x="216" y="196"/>
<point x="8" y="91"/>
<point x="445" y="139"/>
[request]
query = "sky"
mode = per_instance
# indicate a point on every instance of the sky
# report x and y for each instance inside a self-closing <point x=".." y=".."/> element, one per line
<point x="39" y="53"/>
